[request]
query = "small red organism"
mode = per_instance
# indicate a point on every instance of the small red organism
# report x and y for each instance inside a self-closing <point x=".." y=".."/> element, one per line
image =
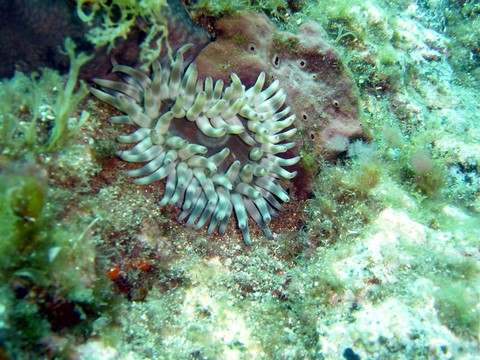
<point x="143" y="265"/>
<point x="114" y="273"/>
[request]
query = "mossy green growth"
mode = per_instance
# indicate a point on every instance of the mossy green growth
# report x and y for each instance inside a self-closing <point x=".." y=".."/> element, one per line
<point x="387" y="54"/>
<point x="284" y="44"/>
<point x="27" y="199"/>
<point x="454" y="276"/>
<point x="218" y="8"/>
<point x="464" y="31"/>
<point x="309" y="161"/>
<point x="23" y="197"/>
<point x="457" y="308"/>
<point x="364" y="177"/>
<point x="28" y="247"/>
<point x="430" y="183"/>
<point x="342" y="200"/>
<point x="418" y="168"/>
<point x="114" y="19"/>
<point x="23" y="259"/>
<point x="43" y="265"/>
<point x="273" y="7"/>
<point x="239" y="39"/>
<point x="36" y="110"/>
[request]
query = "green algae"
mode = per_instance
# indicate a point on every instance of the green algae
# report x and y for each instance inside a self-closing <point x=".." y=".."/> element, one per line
<point x="36" y="111"/>
<point x="113" y="20"/>
<point x="283" y="295"/>
<point x="43" y="285"/>
<point x="277" y="9"/>
<point x="455" y="295"/>
<point x="457" y="309"/>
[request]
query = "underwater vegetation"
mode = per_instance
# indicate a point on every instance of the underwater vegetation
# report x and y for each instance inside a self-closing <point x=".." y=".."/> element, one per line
<point x="44" y="290"/>
<point x="376" y="254"/>
<point x="51" y="102"/>
<point x="277" y="9"/>
<point x="113" y="20"/>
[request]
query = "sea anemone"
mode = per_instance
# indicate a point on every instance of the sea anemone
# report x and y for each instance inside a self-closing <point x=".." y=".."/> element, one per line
<point x="217" y="147"/>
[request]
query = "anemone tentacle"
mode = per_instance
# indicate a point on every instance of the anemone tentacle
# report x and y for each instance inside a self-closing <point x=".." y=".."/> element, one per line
<point x="219" y="148"/>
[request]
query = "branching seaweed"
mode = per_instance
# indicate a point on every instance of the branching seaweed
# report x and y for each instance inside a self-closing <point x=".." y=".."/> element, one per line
<point x="118" y="17"/>
<point x="67" y="100"/>
<point x="35" y="110"/>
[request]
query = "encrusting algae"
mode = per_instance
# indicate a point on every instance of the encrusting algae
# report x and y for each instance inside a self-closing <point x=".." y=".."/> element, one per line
<point x="376" y="254"/>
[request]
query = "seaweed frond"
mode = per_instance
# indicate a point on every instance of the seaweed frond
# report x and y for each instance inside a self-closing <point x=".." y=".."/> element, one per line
<point x="36" y="109"/>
